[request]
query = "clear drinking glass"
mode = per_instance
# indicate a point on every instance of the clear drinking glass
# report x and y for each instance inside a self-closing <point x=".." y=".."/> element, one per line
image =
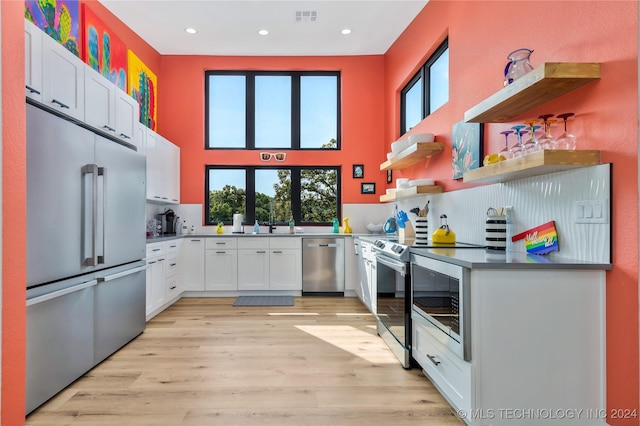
<point x="547" y="141"/>
<point x="531" y="145"/>
<point x="517" y="149"/>
<point x="566" y="140"/>
<point x="506" y="152"/>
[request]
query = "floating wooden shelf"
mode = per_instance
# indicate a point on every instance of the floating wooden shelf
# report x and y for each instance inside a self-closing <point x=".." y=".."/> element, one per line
<point x="413" y="154"/>
<point x="545" y="83"/>
<point x="412" y="191"/>
<point x="534" y="164"/>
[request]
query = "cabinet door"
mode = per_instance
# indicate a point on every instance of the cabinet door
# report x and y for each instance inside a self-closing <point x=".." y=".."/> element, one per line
<point x="253" y="269"/>
<point x="285" y="269"/>
<point x="63" y="83"/>
<point x="156" y="287"/>
<point x="154" y="284"/>
<point x="153" y="167"/>
<point x="99" y="106"/>
<point x="169" y="179"/>
<point x="221" y="270"/>
<point x="127" y="112"/>
<point x="191" y="266"/>
<point x="33" y="61"/>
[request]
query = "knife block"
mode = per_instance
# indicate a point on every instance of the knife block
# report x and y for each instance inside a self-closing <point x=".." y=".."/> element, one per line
<point x="406" y="233"/>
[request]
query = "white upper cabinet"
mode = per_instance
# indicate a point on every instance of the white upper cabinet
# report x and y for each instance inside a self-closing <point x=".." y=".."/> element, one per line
<point x="127" y="116"/>
<point x="99" y="107"/>
<point x="163" y="169"/>
<point x="33" y="61"/>
<point x="110" y="109"/>
<point x="63" y="81"/>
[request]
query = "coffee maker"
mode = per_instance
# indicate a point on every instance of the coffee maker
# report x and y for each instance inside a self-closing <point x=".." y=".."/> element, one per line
<point x="169" y="222"/>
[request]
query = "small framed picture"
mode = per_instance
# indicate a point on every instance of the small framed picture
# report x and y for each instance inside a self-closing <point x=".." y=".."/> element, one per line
<point x="358" y="171"/>
<point x="368" y="188"/>
<point x="389" y="176"/>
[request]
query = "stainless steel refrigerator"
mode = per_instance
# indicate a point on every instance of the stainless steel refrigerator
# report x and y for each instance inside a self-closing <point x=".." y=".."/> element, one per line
<point x="85" y="245"/>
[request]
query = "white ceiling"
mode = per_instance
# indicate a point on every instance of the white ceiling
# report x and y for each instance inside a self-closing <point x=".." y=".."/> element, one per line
<point x="230" y="27"/>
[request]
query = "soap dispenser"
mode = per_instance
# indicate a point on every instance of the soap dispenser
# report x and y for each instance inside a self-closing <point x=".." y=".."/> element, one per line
<point x="336" y="225"/>
<point x="256" y="228"/>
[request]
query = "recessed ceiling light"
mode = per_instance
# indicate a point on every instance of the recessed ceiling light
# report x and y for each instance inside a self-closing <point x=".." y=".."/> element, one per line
<point x="345" y="31"/>
<point x="263" y="32"/>
<point x="191" y="30"/>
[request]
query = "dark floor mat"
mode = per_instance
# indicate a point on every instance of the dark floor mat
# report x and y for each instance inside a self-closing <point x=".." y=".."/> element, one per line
<point x="264" y="301"/>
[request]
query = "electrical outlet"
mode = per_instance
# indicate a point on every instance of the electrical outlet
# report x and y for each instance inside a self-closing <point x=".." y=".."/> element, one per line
<point x="591" y="211"/>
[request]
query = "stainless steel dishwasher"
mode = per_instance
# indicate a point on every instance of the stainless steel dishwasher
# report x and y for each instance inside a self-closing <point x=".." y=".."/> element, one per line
<point x="323" y="266"/>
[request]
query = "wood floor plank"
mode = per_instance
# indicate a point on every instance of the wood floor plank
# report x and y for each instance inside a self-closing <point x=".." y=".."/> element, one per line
<point x="204" y="362"/>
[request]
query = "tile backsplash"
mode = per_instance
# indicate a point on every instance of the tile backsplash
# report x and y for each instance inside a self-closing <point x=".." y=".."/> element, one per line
<point x="535" y="200"/>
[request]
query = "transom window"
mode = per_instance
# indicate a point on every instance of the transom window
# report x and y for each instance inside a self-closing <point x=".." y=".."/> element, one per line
<point x="272" y="110"/>
<point x="427" y="91"/>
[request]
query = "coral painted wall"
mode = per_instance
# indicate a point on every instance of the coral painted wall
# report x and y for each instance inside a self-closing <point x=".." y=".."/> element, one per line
<point x="181" y="118"/>
<point x="481" y="34"/>
<point x="14" y="214"/>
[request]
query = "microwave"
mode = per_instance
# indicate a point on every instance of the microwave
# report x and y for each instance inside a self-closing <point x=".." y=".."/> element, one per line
<point x="441" y="295"/>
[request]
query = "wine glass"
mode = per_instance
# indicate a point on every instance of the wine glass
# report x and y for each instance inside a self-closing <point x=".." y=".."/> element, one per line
<point x="531" y="145"/>
<point x="547" y="141"/>
<point x="566" y="140"/>
<point x="506" y="152"/>
<point x="517" y="149"/>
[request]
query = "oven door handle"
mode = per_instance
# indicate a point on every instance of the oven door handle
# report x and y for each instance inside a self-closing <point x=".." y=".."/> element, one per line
<point x="396" y="265"/>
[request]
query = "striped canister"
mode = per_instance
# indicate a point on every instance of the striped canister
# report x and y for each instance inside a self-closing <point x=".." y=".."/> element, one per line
<point x="422" y="231"/>
<point x="496" y="232"/>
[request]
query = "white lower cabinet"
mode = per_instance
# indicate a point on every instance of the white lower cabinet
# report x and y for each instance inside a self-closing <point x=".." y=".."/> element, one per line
<point x="221" y="264"/>
<point x="221" y="270"/>
<point x="162" y="275"/>
<point x="156" y="259"/>
<point x="285" y="264"/>
<point x="536" y="349"/>
<point x="192" y="264"/>
<point x="253" y="263"/>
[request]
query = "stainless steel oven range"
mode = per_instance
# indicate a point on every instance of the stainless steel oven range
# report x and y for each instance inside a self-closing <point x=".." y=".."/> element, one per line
<point x="440" y="293"/>
<point x="393" y="296"/>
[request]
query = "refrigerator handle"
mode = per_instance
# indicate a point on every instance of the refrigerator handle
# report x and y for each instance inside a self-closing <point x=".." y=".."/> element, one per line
<point x="102" y="171"/>
<point x="91" y="169"/>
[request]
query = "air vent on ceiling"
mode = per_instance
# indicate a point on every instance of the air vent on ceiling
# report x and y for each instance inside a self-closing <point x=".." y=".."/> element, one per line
<point x="306" y="15"/>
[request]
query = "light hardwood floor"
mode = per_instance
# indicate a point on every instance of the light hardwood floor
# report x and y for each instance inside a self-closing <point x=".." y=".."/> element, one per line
<point x="204" y="362"/>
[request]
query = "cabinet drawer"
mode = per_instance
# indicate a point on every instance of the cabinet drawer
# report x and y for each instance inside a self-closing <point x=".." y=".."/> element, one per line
<point x="155" y="249"/>
<point x="450" y="374"/>
<point x="253" y="243"/>
<point x="220" y="243"/>
<point x="171" y="265"/>
<point x="285" y="242"/>
<point x="172" y="246"/>
<point x="172" y="287"/>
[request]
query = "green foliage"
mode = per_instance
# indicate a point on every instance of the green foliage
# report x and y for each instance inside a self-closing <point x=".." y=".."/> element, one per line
<point x="224" y="203"/>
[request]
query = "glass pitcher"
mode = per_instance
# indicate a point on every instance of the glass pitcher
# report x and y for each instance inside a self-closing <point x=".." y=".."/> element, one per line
<point x="517" y="66"/>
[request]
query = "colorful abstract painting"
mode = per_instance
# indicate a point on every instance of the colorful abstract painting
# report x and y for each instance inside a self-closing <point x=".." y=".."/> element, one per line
<point x="103" y="50"/>
<point x="466" y="147"/>
<point x="143" y="88"/>
<point x="60" y="19"/>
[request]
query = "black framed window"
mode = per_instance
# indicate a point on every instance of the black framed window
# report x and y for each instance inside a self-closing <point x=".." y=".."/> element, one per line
<point x="272" y="109"/>
<point x="273" y="194"/>
<point x="427" y="91"/>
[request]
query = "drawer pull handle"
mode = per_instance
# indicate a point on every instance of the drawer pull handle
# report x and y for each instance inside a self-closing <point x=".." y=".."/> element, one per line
<point x="156" y="249"/>
<point x="172" y="264"/>
<point x="277" y="252"/>
<point x="260" y="251"/>
<point x="433" y="359"/>
<point x="220" y="252"/>
<point x="62" y="105"/>
<point x="172" y="288"/>
<point x="32" y="90"/>
<point x="109" y="128"/>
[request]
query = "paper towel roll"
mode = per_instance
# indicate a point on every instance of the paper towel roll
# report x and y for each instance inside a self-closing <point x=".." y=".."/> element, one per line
<point x="237" y="223"/>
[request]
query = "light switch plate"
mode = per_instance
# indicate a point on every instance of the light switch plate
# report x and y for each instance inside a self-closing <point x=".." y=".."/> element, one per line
<point x="591" y="211"/>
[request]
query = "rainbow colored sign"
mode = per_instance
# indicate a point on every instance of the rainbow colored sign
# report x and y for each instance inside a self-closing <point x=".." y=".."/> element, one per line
<point x="541" y="239"/>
